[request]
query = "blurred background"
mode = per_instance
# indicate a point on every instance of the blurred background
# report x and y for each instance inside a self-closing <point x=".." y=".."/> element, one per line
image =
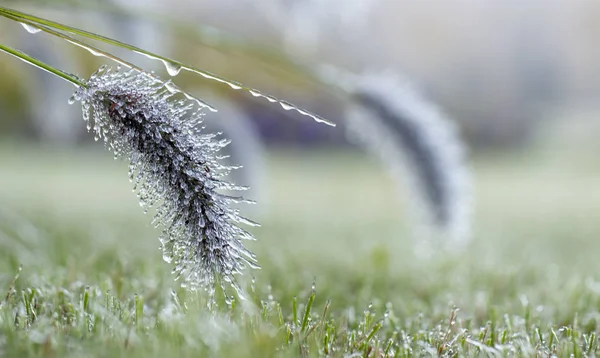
<point x="503" y="70"/>
<point x="520" y="78"/>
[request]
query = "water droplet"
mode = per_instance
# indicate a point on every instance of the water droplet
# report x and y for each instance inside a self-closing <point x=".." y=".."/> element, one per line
<point x="96" y="53"/>
<point x="31" y="29"/>
<point x="172" y="68"/>
<point x="149" y="56"/>
<point x="72" y="99"/>
<point x="287" y="106"/>
<point x="91" y="50"/>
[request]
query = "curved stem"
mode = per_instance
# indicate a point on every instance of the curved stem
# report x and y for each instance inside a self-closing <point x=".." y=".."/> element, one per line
<point x="42" y="65"/>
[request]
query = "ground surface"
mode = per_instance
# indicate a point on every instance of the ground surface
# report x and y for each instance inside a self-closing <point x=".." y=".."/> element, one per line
<point x="93" y="282"/>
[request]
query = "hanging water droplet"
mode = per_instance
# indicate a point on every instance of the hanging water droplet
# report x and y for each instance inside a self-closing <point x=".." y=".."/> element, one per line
<point x="31" y="29"/>
<point x="72" y="99"/>
<point x="90" y="49"/>
<point x="96" y="53"/>
<point x="287" y="106"/>
<point x="149" y="56"/>
<point x="172" y="68"/>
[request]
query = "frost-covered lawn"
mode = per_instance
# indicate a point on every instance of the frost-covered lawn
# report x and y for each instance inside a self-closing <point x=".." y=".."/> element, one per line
<point x="93" y="282"/>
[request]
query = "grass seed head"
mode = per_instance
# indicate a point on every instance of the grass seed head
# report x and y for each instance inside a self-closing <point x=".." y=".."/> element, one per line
<point x="175" y="167"/>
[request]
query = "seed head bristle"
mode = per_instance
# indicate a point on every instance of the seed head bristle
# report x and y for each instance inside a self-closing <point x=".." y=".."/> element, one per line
<point x="176" y="168"/>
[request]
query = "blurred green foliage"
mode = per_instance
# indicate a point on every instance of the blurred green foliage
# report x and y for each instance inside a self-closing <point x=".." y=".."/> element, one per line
<point x="527" y="285"/>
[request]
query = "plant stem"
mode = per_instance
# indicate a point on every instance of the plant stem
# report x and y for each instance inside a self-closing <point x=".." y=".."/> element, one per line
<point x="173" y="66"/>
<point x="44" y="66"/>
<point x="98" y="52"/>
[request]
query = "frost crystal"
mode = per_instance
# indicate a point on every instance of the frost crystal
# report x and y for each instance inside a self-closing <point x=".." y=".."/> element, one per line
<point x="175" y="167"/>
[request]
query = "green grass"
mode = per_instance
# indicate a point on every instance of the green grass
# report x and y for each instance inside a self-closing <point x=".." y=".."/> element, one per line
<point x="93" y="282"/>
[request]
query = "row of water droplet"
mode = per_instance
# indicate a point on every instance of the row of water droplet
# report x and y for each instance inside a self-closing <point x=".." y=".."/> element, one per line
<point x="174" y="68"/>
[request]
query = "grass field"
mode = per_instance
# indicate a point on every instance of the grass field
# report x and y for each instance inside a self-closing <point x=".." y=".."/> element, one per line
<point x="93" y="282"/>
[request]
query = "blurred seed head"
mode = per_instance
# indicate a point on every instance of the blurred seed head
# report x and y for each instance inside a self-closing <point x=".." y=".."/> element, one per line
<point x="392" y="121"/>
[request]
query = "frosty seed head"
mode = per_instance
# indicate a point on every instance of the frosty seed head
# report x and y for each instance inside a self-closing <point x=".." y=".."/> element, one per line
<point x="175" y="167"/>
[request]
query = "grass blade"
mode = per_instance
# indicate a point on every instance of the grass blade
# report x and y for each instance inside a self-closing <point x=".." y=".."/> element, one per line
<point x="42" y="65"/>
<point x="98" y="52"/>
<point x="173" y="67"/>
<point x="309" y="304"/>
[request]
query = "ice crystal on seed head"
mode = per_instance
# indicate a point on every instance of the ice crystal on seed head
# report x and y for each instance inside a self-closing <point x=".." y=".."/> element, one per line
<point x="175" y="167"/>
